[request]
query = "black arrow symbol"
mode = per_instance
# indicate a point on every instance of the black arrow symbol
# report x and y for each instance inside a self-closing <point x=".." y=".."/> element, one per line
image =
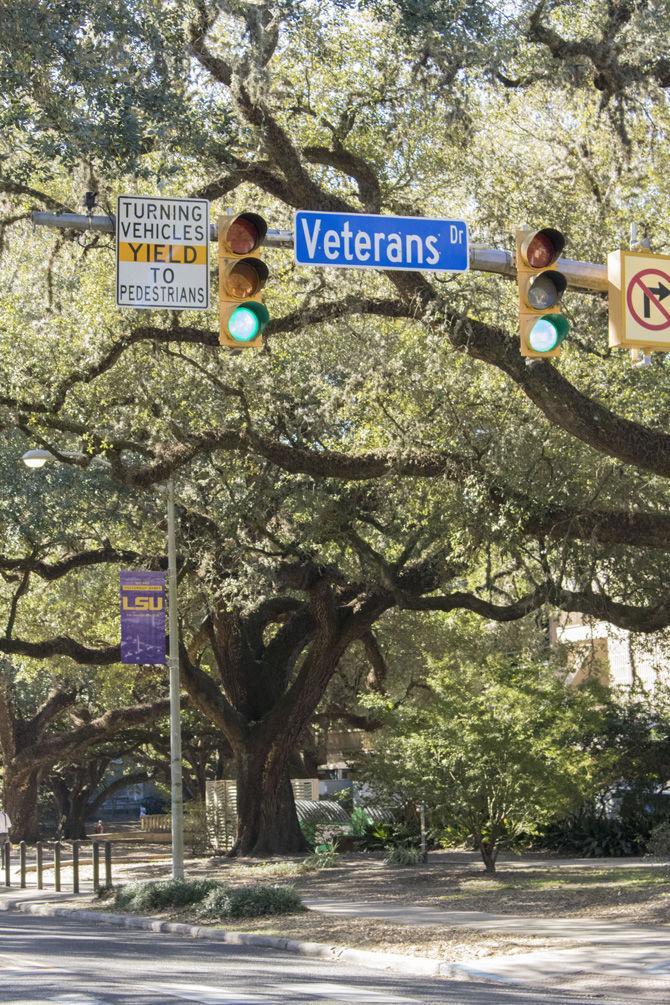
<point x="661" y="292"/>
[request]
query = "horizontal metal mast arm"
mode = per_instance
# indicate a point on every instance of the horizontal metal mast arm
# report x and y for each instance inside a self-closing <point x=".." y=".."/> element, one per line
<point x="580" y="275"/>
<point x="587" y="276"/>
<point x="107" y="225"/>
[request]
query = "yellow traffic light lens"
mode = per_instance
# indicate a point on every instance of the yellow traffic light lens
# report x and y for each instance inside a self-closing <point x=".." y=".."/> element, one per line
<point x="243" y="325"/>
<point x="242" y="281"/>
<point x="547" y="333"/>
<point x="545" y="290"/>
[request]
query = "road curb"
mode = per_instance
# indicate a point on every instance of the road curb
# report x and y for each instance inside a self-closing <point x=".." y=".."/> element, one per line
<point x="414" y="966"/>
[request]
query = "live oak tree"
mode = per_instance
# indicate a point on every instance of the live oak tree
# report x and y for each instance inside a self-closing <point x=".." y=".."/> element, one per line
<point x="56" y="730"/>
<point x="82" y="782"/>
<point x="81" y="786"/>
<point x="205" y="755"/>
<point x="390" y="450"/>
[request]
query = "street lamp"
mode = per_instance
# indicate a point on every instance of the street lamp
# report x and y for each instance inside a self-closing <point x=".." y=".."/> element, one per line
<point x="37" y="459"/>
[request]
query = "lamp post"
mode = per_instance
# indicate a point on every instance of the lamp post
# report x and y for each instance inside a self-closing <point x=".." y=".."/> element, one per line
<point x="176" y="791"/>
<point x="37" y="459"/>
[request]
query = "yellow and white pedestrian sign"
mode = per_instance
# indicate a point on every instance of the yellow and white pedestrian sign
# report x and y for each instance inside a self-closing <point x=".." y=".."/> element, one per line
<point x="639" y="300"/>
<point x="162" y="253"/>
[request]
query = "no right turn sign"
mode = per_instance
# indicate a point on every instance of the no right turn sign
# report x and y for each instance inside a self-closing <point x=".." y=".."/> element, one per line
<point x="639" y="300"/>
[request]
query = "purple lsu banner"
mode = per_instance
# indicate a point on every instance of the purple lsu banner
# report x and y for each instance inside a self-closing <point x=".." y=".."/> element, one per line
<point x="142" y="617"/>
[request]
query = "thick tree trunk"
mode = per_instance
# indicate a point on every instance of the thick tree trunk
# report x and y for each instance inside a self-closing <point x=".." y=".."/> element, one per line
<point x="75" y="819"/>
<point x="72" y="805"/>
<point x="267" y="818"/>
<point x="20" y="803"/>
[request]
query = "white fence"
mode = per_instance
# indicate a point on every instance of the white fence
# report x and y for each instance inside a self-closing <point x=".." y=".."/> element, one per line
<point x="221" y="798"/>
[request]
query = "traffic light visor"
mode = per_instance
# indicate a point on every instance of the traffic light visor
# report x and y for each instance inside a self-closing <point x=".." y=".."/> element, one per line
<point x="244" y="233"/>
<point x="247" y="322"/>
<point x="546" y="290"/>
<point x="547" y="333"/>
<point x="541" y="248"/>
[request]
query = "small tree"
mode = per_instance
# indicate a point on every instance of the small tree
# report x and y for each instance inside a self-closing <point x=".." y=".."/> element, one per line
<point x="493" y="750"/>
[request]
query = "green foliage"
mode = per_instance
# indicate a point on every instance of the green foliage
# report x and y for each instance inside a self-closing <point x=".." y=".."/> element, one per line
<point x="309" y="831"/>
<point x="629" y="737"/>
<point x="251" y="902"/>
<point x="389" y="835"/>
<point x="360" y="821"/>
<point x="403" y="855"/>
<point x="107" y="83"/>
<point x="195" y="826"/>
<point x="658" y="845"/>
<point x="324" y="856"/>
<point x="493" y="752"/>
<point x="449" y="107"/>
<point x="160" y="895"/>
<point x="591" y="834"/>
<point x="215" y="900"/>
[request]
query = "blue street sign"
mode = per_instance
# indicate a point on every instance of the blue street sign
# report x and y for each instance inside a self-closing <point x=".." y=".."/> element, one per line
<point x="361" y="241"/>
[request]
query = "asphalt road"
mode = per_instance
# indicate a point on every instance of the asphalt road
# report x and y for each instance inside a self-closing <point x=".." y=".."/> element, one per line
<point x="49" y="960"/>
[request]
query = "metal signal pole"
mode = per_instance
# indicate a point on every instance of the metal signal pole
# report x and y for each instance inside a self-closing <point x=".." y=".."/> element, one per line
<point x="177" y="798"/>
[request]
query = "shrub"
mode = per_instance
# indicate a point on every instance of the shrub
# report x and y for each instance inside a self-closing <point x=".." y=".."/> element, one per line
<point x="658" y="844"/>
<point x="157" y="895"/>
<point x="401" y="855"/>
<point x="387" y="835"/>
<point x="250" y="902"/>
<point x="592" y="834"/>
<point x="195" y="827"/>
<point x="493" y="753"/>
<point x="324" y="856"/>
<point x="308" y="829"/>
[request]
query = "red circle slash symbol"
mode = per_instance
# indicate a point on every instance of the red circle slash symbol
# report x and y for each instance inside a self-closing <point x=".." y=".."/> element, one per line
<point x="652" y="297"/>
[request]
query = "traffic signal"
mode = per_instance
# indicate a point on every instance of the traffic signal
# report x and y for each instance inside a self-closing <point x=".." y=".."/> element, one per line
<point x="541" y="324"/>
<point x="242" y="276"/>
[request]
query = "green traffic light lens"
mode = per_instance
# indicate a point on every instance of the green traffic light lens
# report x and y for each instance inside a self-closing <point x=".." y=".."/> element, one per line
<point x="547" y="333"/>
<point x="243" y="325"/>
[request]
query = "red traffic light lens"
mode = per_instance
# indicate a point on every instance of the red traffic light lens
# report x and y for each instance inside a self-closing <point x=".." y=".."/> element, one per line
<point x="540" y="252"/>
<point x="540" y="248"/>
<point x="242" y="236"/>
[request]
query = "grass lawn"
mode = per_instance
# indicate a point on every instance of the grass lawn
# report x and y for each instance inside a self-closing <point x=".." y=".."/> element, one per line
<point x="603" y="889"/>
<point x="641" y="893"/>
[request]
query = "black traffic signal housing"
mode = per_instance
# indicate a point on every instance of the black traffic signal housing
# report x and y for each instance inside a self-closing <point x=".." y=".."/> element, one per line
<point x="542" y="326"/>
<point x="242" y="276"/>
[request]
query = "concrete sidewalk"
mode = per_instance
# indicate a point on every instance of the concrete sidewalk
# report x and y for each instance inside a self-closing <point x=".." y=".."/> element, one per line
<point x="621" y="953"/>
